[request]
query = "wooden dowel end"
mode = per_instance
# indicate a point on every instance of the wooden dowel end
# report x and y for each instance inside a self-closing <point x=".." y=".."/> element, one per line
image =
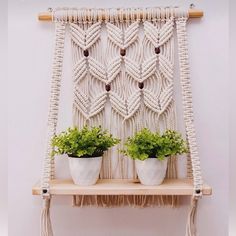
<point x="195" y="13"/>
<point x="45" y="16"/>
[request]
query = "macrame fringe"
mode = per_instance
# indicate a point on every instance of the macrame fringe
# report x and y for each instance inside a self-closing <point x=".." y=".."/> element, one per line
<point x="45" y="223"/>
<point x="191" y="222"/>
<point x="136" y="201"/>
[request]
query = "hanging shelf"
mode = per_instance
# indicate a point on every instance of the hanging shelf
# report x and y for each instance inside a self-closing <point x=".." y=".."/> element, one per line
<point x="181" y="187"/>
<point x="85" y="32"/>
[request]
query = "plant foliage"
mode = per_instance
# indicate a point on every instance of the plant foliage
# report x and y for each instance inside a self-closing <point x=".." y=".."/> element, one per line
<point x="87" y="142"/>
<point x="146" y="144"/>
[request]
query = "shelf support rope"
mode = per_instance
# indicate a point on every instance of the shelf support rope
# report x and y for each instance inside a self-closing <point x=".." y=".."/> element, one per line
<point x="188" y="118"/>
<point x="49" y="168"/>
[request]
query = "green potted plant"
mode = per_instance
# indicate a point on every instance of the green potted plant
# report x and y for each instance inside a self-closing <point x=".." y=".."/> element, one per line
<point x="85" y="149"/>
<point x="151" y="151"/>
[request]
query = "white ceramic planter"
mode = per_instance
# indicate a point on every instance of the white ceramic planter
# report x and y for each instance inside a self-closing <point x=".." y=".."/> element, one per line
<point x="151" y="171"/>
<point x="85" y="171"/>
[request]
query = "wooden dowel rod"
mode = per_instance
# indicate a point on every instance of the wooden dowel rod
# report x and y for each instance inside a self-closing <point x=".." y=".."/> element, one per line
<point x="47" y="16"/>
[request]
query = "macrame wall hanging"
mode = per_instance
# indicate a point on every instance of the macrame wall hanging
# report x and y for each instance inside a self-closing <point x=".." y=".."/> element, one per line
<point x="123" y="75"/>
<point x="123" y="83"/>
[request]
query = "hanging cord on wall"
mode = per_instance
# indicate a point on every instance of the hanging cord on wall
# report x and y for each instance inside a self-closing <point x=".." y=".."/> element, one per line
<point x="49" y="169"/>
<point x="188" y="118"/>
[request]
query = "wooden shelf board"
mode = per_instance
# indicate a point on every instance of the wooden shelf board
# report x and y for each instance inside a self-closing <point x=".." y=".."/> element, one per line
<point x="122" y="187"/>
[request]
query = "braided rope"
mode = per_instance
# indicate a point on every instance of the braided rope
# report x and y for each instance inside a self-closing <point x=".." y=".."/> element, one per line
<point x="187" y="102"/>
<point x="49" y="169"/>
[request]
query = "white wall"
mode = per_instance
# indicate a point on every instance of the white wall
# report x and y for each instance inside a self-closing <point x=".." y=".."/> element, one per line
<point x="3" y="118"/>
<point x="30" y="55"/>
<point x="232" y="86"/>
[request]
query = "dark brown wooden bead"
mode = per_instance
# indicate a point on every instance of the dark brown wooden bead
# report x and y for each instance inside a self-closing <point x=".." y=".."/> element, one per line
<point x="108" y="87"/>
<point x="157" y="50"/>
<point x="45" y="191"/>
<point x="140" y="85"/>
<point x="86" y="53"/>
<point x="198" y="191"/>
<point x="122" y="52"/>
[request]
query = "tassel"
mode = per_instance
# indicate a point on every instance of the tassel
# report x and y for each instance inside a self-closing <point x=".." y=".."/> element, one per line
<point x="46" y="226"/>
<point x="191" y="223"/>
